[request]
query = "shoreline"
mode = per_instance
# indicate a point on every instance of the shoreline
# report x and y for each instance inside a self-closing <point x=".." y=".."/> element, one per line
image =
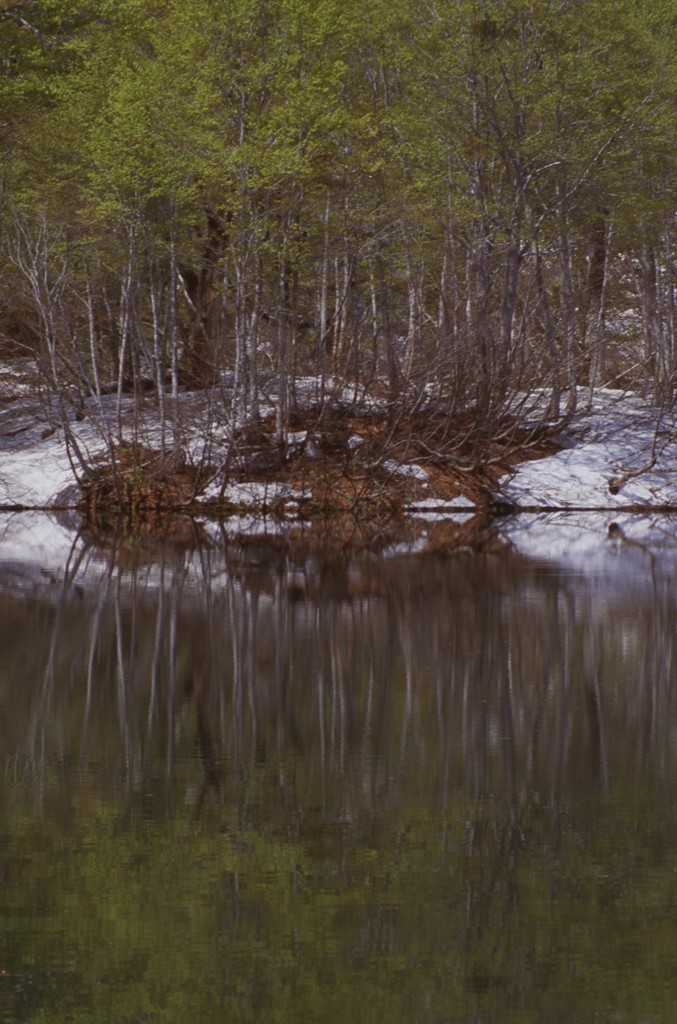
<point x="351" y="474"/>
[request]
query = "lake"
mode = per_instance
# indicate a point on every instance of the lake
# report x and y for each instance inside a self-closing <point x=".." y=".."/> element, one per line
<point x="240" y="782"/>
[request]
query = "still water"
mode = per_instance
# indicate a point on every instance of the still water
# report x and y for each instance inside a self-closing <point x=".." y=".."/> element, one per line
<point x="237" y="785"/>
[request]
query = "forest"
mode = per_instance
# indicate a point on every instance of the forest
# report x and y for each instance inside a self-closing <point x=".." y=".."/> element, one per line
<point x="456" y="202"/>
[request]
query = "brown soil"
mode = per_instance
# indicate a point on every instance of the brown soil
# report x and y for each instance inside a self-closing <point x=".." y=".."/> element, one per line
<point x="139" y="487"/>
<point x="351" y="496"/>
<point x="457" y="460"/>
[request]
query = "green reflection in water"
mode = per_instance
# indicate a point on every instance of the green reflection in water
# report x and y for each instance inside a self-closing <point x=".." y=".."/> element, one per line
<point x="440" y="792"/>
<point x="530" y="918"/>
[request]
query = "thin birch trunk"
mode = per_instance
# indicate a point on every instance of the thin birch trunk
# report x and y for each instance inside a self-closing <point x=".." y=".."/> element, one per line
<point x="597" y="332"/>
<point x="323" y="335"/>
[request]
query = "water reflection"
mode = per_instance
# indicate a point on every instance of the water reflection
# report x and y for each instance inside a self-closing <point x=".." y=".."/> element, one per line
<point x="442" y="787"/>
<point x="404" y="677"/>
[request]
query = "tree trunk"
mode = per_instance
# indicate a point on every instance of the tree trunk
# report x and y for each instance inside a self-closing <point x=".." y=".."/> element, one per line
<point x="201" y="357"/>
<point x="597" y="284"/>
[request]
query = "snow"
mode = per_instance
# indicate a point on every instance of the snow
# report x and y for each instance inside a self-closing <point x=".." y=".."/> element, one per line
<point x="621" y="438"/>
<point x="410" y="470"/>
<point x="619" y="434"/>
<point x="439" y="505"/>
<point x="252" y="492"/>
<point x="35" y="469"/>
<point x="456" y="510"/>
<point x="34" y="481"/>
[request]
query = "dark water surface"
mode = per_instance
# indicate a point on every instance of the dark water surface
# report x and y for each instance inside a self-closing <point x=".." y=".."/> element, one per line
<point x="233" y="788"/>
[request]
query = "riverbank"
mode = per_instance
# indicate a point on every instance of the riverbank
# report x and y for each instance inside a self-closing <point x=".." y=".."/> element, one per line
<point x="353" y="476"/>
<point x="344" y="451"/>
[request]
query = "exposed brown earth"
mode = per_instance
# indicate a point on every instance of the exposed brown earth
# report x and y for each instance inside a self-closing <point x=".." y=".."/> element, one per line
<point x="353" y="472"/>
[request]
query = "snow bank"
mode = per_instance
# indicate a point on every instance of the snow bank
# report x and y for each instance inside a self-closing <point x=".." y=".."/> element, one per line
<point x="619" y="435"/>
<point x="617" y="534"/>
<point x="621" y="439"/>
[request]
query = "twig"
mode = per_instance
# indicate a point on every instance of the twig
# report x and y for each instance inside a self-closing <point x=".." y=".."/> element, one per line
<point x="616" y="482"/>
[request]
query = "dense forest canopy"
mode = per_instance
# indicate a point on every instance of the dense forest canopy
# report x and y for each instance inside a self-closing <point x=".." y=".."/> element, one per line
<point x="463" y="197"/>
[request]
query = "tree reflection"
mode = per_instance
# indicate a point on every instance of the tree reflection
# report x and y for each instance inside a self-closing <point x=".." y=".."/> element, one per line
<point x="343" y="684"/>
<point x="338" y="790"/>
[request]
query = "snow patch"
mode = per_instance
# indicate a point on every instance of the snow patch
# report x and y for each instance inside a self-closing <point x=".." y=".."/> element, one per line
<point x="434" y="510"/>
<point x="440" y="504"/>
<point x="411" y="471"/>
<point x="441" y="516"/>
<point x="619" y="435"/>
<point x="252" y="492"/>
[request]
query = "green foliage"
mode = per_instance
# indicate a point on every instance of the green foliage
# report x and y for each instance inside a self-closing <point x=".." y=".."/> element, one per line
<point x="432" y="147"/>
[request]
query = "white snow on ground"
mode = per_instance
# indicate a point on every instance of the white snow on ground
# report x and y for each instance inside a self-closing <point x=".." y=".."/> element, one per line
<point x="439" y="509"/>
<point x="616" y="437"/>
<point x="38" y="468"/>
<point x="412" y="471"/>
<point x="439" y="505"/>
<point x="251" y="492"/>
<point x="35" y="469"/>
<point x="34" y="479"/>
<point x="620" y="434"/>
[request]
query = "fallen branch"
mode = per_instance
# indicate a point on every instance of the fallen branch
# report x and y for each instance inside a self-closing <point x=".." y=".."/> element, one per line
<point x="616" y="482"/>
